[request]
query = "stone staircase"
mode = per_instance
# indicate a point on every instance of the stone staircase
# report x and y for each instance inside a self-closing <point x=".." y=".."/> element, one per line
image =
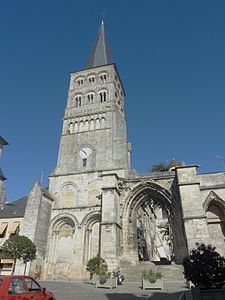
<point x="133" y="273"/>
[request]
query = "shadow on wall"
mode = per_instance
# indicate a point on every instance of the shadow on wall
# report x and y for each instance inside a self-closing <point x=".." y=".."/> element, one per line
<point x="144" y="295"/>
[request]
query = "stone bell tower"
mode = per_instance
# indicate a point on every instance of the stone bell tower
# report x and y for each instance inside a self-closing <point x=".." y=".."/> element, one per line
<point x="93" y="153"/>
<point x="94" y="127"/>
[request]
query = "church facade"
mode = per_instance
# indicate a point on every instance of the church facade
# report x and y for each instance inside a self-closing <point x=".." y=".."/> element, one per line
<point x="95" y="204"/>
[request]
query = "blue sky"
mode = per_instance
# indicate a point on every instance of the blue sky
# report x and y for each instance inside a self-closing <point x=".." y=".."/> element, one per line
<point x="171" y="58"/>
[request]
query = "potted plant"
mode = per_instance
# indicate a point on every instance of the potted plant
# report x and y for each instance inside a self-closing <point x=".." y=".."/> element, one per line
<point x="205" y="268"/>
<point x="152" y="280"/>
<point x="105" y="280"/>
<point x="95" y="266"/>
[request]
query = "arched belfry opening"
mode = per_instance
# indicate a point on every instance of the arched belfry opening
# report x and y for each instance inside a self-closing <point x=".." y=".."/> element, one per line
<point x="150" y="228"/>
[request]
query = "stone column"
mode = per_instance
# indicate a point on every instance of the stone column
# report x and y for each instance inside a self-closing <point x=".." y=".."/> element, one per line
<point x="110" y="227"/>
<point x="194" y="219"/>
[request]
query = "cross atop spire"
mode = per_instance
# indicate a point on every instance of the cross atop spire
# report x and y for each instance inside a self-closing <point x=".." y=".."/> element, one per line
<point x="100" y="54"/>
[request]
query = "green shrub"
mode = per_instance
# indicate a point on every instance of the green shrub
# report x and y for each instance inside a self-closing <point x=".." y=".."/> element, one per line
<point x="205" y="267"/>
<point x="103" y="277"/>
<point x="96" y="265"/>
<point x="151" y="276"/>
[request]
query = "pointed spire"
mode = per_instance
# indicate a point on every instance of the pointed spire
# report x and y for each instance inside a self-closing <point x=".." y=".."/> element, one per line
<point x="100" y="54"/>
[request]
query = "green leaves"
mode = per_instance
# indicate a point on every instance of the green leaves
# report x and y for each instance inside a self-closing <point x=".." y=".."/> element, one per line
<point x="205" y="267"/>
<point x="17" y="247"/>
<point x="161" y="167"/>
<point x="96" y="265"/>
<point x="151" y="276"/>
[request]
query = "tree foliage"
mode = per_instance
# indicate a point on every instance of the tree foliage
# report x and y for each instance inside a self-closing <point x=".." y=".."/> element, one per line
<point x="96" y="265"/>
<point x="205" y="267"/>
<point x="151" y="276"/>
<point x="160" y="167"/>
<point x="163" y="167"/>
<point x="19" y="246"/>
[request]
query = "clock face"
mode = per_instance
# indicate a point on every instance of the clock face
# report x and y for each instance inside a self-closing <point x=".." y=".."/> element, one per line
<point x="85" y="152"/>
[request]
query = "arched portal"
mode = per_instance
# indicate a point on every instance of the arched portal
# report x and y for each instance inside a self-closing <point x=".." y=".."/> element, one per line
<point x="61" y="246"/>
<point x="150" y="228"/>
<point x="215" y="214"/>
<point x="92" y="236"/>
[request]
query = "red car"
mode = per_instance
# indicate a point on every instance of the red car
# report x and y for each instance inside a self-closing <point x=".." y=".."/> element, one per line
<point x="22" y="288"/>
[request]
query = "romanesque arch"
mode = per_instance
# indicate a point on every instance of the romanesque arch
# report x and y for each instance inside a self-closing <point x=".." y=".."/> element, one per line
<point x="91" y="224"/>
<point x="68" y="195"/>
<point x="214" y="208"/>
<point x="61" y="245"/>
<point x="152" y="226"/>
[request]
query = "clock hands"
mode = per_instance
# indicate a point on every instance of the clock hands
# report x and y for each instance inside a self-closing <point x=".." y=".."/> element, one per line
<point x="84" y="152"/>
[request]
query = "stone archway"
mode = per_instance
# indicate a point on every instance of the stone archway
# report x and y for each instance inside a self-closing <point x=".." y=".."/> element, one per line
<point x="215" y="215"/>
<point x="61" y="247"/>
<point x="92" y="236"/>
<point x="152" y="225"/>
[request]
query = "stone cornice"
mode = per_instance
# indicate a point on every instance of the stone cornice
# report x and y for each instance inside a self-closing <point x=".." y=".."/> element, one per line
<point x="111" y="223"/>
<point x="194" y="217"/>
<point x="188" y="183"/>
<point x="212" y="187"/>
<point x="110" y="188"/>
<point x="110" y="174"/>
<point x="79" y="173"/>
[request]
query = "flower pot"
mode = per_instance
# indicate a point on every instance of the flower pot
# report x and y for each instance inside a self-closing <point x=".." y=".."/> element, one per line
<point x="109" y="284"/>
<point x="158" y="284"/>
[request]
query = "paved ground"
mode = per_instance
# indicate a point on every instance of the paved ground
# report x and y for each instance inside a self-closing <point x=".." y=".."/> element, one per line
<point x="128" y="291"/>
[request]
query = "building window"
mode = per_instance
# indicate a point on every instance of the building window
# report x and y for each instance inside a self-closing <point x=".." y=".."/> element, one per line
<point x="91" y="79"/>
<point x="103" y="96"/>
<point x="103" y="77"/>
<point x="80" y="81"/>
<point x="90" y="97"/>
<point x="84" y="162"/>
<point x="78" y="100"/>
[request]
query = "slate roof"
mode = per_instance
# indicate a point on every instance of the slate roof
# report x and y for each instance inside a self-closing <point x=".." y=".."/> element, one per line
<point x="3" y="141"/>
<point x="2" y="176"/>
<point x="100" y="54"/>
<point x="14" y="209"/>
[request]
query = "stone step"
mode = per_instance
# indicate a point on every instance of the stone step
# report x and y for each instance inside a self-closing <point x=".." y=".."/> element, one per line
<point x="134" y="272"/>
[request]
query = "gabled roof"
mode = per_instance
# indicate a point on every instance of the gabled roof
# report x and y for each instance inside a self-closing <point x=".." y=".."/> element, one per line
<point x="100" y="54"/>
<point x="14" y="209"/>
<point x="2" y="176"/>
<point x="3" y="141"/>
